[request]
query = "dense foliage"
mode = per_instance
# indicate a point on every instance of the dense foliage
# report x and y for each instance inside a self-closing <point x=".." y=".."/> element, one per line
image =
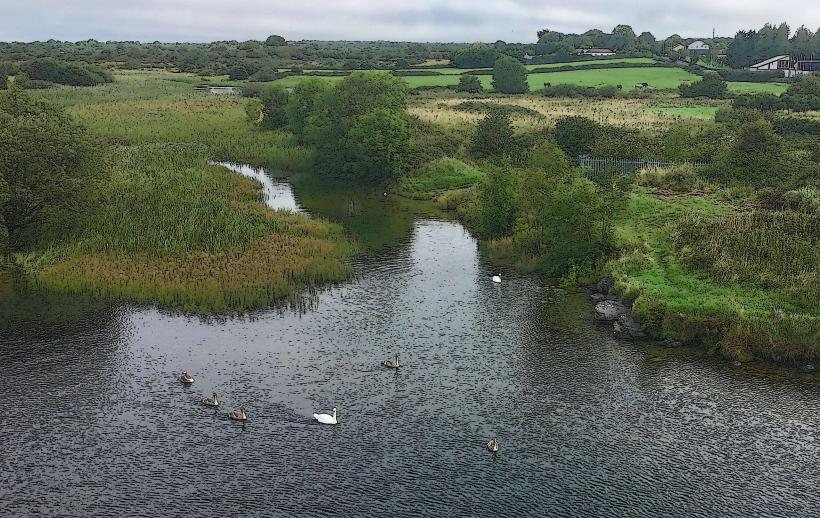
<point x="509" y="76"/>
<point x="469" y="83"/>
<point x="576" y="135"/>
<point x="712" y="86"/>
<point x="47" y="165"/>
<point x="64" y="73"/>
<point x="749" y="47"/>
<point x="494" y="136"/>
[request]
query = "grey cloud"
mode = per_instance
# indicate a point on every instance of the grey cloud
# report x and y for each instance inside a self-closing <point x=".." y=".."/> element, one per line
<point x="414" y="20"/>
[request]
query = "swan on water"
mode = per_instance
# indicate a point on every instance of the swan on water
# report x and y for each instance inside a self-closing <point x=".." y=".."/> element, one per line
<point x="211" y="400"/>
<point x="494" y="444"/>
<point x="186" y="377"/>
<point x="326" y="418"/>
<point x="497" y="278"/>
<point x="239" y="414"/>
<point x="392" y="364"/>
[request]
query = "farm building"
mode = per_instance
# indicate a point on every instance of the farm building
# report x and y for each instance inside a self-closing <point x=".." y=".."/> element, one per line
<point x="596" y="52"/>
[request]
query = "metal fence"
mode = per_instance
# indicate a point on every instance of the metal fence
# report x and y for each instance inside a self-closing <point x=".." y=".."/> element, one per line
<point x="594" y="167"/>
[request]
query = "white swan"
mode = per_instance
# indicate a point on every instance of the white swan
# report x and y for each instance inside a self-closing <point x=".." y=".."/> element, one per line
<point x="494" y="444"/>
<point x="186" y="378"/>
<point x="326" y="418"/>
<point x="211" y="400"/>
<point x="497" y="278"/>
<point x="392" y="364"/>
<point x="239" y="415"/>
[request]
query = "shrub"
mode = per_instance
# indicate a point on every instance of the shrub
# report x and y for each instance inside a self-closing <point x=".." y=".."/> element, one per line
<point x="238" y="73"/>
<point x="757" y="157"/>
<point x="751" y="76"/>
<point x="711" y="86"/>
<point x="474" y="56"/>
<point x="469" y="83"/>
<point x="575" y="135"/>
<point x="73" y="74"/>
<point x="571" y="90"/>
<point x="767" y="102"/>
<point x="494" y="136"/>
<point x="804" y="94"/>
<point x="274" y="100"/>
<point x="805" y="199"/>
<point x="444" y="174"/>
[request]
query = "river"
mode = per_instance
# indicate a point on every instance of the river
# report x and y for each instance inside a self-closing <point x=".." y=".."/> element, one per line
<point x="94" y="421"/>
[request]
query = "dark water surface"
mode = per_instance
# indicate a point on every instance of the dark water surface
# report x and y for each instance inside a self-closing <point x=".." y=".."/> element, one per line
<point x="93" y="421"/>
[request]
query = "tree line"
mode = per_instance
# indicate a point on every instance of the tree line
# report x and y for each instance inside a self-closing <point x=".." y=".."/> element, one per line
<point x="752" y="46"/>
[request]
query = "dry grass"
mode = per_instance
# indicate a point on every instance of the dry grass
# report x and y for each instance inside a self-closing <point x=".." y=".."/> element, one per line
<point x="632" y="113"/>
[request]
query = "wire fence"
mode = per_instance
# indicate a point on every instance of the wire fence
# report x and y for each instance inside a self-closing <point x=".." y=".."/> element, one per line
<point x="594" y="167"/>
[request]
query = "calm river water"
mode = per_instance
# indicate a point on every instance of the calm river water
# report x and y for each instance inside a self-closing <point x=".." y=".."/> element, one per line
<point x="95" y="423"/>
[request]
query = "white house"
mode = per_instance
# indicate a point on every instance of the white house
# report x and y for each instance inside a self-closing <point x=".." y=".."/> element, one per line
<point x="698" y="46"/>
<point x="781" y="62"/>
<point x="596" y="52"/>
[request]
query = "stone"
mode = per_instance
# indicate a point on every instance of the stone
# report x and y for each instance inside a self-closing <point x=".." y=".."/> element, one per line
<point x="609" y="310"/>
<point x="627" y="327"/>
<point x="597" y="297"/>
<point x="604" y="285"/>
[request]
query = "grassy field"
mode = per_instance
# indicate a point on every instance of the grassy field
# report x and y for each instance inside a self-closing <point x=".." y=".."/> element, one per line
<point x="169" y="227"/>
<point x="444" y="174"/>
<point x="660" y="78"/>
<point x="757" y="88"/>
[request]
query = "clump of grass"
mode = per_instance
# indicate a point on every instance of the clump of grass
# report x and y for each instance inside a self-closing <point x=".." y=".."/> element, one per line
<point x="444" y="174"/>
<point x="676" y="177"/>
<point x="805" y="199"/>
<point x="764" y="248"/>
<point x="450" y="200"/>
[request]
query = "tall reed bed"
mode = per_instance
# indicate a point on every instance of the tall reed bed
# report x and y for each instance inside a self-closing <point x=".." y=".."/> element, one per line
<point x="169" y="227"/>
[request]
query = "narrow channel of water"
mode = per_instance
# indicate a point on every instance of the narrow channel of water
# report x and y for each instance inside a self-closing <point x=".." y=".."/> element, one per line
<point x="94" y="421"/>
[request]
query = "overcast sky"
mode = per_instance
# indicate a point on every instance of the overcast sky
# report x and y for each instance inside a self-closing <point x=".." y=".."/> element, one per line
<point x="396" y="20"/>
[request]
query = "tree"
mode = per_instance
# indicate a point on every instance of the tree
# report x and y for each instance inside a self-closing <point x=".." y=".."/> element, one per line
<point x="274" y="100"/>
<point x="623" y="39"/>
<point x="304" y="101"/>
<point x="575" y="135"/>
<point x="275" y="40"/>
<point x="378" y="144"/>
<point x="362" y="92"/>
<point x="509" y="76"/>
<point x="469" y="83"/>
<point x="47" y="164"/>
<point x="5" y="196"/>
<point x="494" y="136"/>
<point x="239" y="72"/>
<point x="561" y="219"/>
<point x="646" y="42"/>
<point x="802" y="42"/>
<point x="496" y="211"/>
<point x="474" y="56"/>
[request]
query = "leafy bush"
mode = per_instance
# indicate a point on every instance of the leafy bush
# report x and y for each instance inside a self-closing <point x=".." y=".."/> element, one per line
<point x="766" y="102"/>
<point x="571" y="90"/>
<point x="804" y="94"/>
<point x="469" y="83"/>
<point x="575" y="135"/>
<point x="48" y="69"/>
<point x="474" y="56"/>
<point x="711" y="86"/>
<point x="274" y="100"/>
<point x="757" y="157"/>
<point x="494" y="136"/>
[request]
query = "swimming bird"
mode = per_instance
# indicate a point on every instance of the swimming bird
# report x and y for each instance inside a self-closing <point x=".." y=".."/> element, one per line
<point x="392" y="364"/>
<point x="238" y="415"/>
<point x="326" y="418"/>
<point x="494" y="444"/>
<point x="497" y="278"/>
<point x="211" y="400"/>
<point x="186" y="377"/>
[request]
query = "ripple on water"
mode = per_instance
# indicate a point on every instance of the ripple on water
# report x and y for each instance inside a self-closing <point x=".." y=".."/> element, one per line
<point x="95" y="422"/>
